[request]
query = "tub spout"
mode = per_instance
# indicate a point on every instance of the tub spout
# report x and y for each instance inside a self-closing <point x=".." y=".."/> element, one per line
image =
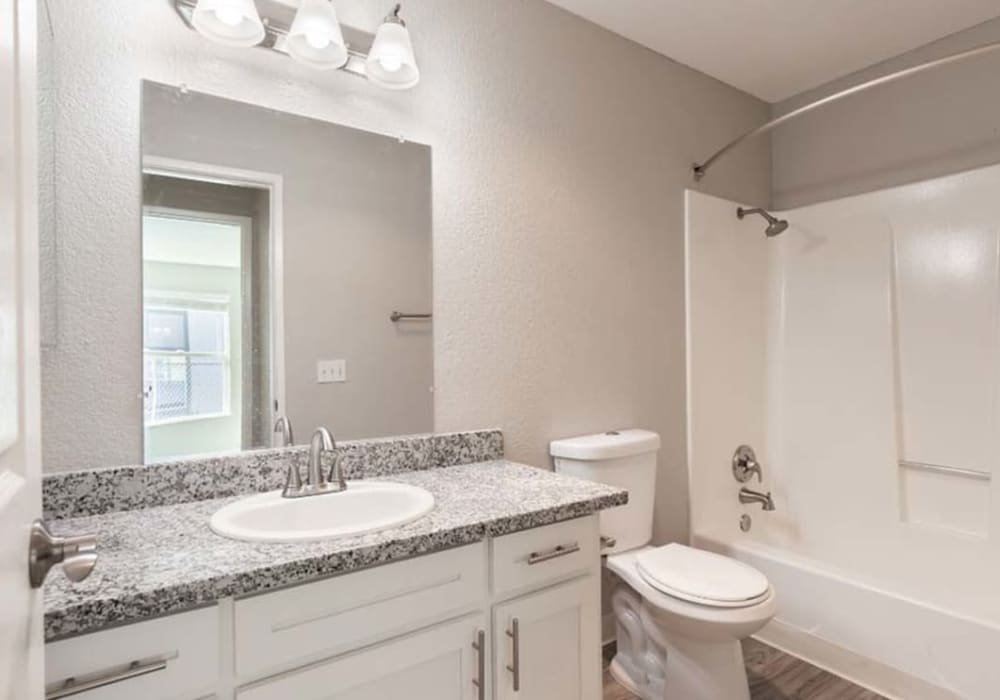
<point x="751" y="496"/>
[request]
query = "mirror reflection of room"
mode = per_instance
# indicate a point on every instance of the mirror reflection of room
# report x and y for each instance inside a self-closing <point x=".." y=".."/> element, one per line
<point x="206" y="329"/>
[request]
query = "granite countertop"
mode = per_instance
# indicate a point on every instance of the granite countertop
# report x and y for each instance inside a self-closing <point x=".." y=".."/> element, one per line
<point x="166" y="559"/>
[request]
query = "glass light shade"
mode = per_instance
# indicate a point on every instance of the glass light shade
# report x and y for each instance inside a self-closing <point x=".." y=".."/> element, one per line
<point x="390" y="62"/>
<point x="314" y="38"/>
<point x="229" y="22"/>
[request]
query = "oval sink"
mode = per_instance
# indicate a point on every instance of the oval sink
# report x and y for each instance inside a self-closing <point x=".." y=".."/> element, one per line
<point x="366" y="506"/>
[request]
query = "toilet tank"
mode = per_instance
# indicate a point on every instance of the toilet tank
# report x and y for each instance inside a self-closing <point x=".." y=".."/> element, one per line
<point x="624" y="458"/>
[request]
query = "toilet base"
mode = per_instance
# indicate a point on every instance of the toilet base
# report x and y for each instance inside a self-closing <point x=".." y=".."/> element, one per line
<point x="623" y="679"/>
<point x="699" y="671"/>
<point x="656" y="666"/>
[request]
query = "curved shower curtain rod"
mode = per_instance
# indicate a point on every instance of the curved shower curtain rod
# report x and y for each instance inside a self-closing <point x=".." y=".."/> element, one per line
<point x="699" y="169"/>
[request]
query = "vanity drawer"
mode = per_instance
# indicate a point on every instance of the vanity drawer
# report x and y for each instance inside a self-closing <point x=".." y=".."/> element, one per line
<point x="170" y="658"/>
<point x="306" y="623"/>
<point x="537" y="556"/>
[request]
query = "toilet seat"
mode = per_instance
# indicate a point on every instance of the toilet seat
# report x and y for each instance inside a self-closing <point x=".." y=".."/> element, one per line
<point x="701" y="577"/>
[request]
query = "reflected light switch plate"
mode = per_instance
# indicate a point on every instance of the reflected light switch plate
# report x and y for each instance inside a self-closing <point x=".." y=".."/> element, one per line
<point x="330" y="371"/>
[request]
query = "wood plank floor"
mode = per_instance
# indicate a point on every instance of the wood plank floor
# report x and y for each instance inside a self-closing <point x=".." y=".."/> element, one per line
<point x="774" y="675"/>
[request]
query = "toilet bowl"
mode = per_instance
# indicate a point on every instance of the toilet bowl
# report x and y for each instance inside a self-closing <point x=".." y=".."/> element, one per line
<point x="685" y="649"/>
<point x="680" y="612"/>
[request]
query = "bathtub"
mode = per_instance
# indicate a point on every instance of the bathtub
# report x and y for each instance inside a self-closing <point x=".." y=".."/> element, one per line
<point x="897" y="646"/>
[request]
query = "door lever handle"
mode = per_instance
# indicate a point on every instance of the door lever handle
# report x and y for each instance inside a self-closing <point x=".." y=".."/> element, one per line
<point x="78" y="555"/>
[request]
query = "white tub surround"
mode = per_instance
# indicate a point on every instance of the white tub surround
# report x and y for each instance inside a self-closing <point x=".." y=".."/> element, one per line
<point x="865" y="377"/>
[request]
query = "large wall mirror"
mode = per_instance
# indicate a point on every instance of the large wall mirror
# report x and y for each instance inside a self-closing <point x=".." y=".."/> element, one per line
<point x="284" y="268"/>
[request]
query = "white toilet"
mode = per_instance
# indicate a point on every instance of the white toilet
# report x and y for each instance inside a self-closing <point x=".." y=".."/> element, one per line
<point x="680" y="612"/>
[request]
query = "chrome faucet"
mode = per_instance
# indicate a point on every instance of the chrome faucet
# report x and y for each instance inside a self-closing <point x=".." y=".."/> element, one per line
<point x="751" y="496"/>
<point x="316" y="483"/>
<point x="284" y="426"/>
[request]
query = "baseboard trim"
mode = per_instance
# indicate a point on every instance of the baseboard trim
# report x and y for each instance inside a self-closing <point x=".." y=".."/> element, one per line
<point x="860" y="670"/>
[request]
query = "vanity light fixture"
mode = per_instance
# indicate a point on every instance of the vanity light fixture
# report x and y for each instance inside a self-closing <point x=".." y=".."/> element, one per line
<point x="314" y="38"/>
<point x="391" y="63"/>
<point x="229" y="22"/>
<point x="310" y="34"/>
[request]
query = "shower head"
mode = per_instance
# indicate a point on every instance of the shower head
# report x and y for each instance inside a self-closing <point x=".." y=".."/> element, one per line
<point x="775" y="226"/>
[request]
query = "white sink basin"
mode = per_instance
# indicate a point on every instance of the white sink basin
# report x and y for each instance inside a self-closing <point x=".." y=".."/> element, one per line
<point x="366" y="506"/>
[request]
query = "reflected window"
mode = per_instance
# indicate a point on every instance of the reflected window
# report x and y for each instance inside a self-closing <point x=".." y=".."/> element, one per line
<point x="186" y="363"/>
<point x="197" y="354"/>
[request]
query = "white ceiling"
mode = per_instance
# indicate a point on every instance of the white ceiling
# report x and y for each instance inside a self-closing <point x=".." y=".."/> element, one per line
<point x="777" y="48"/>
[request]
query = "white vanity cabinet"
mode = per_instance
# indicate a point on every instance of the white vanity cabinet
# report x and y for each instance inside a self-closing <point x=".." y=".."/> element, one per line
<point x="515" y="617"/>
<point x="440" y="663"/>
<point x="545" y="644"/>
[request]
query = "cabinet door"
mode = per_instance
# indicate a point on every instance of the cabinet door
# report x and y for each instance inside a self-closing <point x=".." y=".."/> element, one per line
<point x="548" y="644"/>
<point x="441" y="663"/>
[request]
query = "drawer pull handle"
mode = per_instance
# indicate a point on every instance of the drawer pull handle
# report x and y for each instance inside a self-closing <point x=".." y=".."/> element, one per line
<point x="560" y="551"/>
<point x="72" y="686"/>
<point x="515" y="667"/>
<point x="480" y="680"/>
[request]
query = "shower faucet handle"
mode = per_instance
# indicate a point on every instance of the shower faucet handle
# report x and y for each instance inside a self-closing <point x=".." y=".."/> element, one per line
<point x="745" y="464"/>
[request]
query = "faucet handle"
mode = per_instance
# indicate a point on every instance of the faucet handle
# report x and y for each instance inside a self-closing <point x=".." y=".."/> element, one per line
<point x="745" y="465"/>
<point x="293" y="480"/>
<point x="336" y="471"/>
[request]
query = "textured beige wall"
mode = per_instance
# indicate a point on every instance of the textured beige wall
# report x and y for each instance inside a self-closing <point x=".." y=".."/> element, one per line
<point x="561" y="154"/>
<point x="940" y="122"/>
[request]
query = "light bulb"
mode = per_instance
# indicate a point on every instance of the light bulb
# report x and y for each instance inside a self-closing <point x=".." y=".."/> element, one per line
<point x="229" y="16"/>
<point x="391" y="63"/>
<point x="317" y="38"/>
<point x="229" y="22"/>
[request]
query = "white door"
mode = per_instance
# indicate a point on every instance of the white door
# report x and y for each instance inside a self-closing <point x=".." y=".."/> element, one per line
<point x="548" y="644"/>
<point x="20" y="606"/>
<point x="447" y="662"/>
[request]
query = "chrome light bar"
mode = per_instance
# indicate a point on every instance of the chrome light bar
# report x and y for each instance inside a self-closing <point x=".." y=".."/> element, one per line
<point x="277" y="18"/>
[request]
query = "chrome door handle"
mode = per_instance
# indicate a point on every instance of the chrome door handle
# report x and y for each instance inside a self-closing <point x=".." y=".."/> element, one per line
<point x="480" y="680"/>
<point x="73" y="686"/>
<point x="78" y="555"/>
<point x="515" y="666"/>
<point x="560" y="551"/>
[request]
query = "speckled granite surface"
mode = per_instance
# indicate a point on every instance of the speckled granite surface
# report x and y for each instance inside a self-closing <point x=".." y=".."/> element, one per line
<point x="166" y="559"/>
<point x="96" y="491"/>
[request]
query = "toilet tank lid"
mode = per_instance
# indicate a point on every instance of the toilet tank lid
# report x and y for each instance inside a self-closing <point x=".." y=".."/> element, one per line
<point x="609" y="445"/>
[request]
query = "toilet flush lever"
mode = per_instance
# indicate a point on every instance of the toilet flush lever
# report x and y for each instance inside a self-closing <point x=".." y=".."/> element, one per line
<point x="745" y="464"/>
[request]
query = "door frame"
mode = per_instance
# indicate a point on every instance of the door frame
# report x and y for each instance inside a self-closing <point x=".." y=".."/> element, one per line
<point x="21" y="637"/>
<point x="274" y="184"/>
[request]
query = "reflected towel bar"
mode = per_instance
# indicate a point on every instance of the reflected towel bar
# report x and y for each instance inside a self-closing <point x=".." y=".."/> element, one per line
<point x="396" y="316"/>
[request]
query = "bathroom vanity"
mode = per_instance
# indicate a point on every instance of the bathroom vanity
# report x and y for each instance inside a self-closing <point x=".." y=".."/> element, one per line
<point x="494" y="594"/>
